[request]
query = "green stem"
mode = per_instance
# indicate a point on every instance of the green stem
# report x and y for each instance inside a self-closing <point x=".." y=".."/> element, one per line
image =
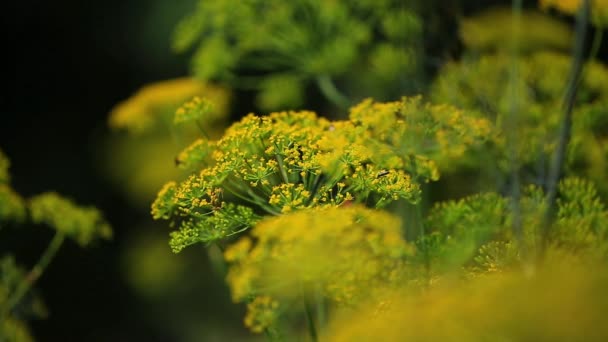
<point x="34" y="274"/>
<point x="282" y="168"/>
<point x="200" y="127"/>
<point x="566" y="121"/>
<point x="329" y="90"/>
<point x="312" y="330"/>
<point x="597" y="42"/>
<point x="512" y="124"/>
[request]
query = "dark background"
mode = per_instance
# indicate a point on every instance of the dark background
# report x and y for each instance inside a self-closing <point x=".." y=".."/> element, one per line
<point x="65" y="64"/>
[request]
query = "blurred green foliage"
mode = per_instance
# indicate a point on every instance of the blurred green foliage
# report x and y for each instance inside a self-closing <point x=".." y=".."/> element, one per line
<point x="281" y="48"/>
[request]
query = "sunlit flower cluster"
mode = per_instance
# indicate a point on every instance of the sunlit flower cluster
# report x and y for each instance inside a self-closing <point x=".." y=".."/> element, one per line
<point x="294" y="160"/>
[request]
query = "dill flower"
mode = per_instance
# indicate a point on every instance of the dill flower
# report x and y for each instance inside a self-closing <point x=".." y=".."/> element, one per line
<point x="160" y="125"/>
<point x="343" y="252"/>
<point x="83" y="224"/>
<point x="261" y="314"/>
<point x="289" y="161"/>
<point x="291" y="46"/>
<point x="599" y="8"/>
<point x="513" y="306"/>
<point x="537" y="31"/>
<point x="476" y="232"/>
<point x="147" y="106"/>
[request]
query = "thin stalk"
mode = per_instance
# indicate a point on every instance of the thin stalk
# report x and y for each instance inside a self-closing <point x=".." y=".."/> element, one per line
<point x="566" y="121"/>
<point x="597" y="42"/>
<point x="36" y="271"/>
<point x="282" y="168"/>
<point x="200" y="127"/>
<point x="312" y="330"/>
<point x="513" y="122"/>
<point x="329" y="90"/>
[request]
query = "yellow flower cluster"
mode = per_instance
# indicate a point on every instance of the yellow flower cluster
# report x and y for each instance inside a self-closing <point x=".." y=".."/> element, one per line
<point x="427" y="137"/>
<point x="599" y="8"/>
<point x="504" y="307"/>
<point x="295" y="160"/>
<point x="261" y="314"/>
<point x="152" y="102"/>
<point x="195" y="109"/>
<point x="343" y="252"/>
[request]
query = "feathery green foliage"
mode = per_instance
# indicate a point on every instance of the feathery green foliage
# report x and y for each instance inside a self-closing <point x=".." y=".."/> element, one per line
<point x="280" y="48"/>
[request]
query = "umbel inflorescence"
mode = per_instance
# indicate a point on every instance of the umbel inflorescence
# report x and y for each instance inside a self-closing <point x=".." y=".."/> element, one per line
<point x="303" y="183"/>
<point x="288" y="161"/>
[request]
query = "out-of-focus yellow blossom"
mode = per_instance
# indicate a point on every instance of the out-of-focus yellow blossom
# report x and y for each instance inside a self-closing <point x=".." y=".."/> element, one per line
<point x="195" y="109"/>
<point x="599" y="8"/>
<point x="261" y="314"/>
<point x="535" y="31"/>
<point x="343" y="252"/>
<point x="141" y="162"/>
<point x="565" y="300"/>
<point x="83" y="224"/>
<point x="157" y="102"/>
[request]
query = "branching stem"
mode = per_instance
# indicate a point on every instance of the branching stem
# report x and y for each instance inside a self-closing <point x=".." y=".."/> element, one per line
<point x="566" y="121"/>
<point x="34" y="274"/>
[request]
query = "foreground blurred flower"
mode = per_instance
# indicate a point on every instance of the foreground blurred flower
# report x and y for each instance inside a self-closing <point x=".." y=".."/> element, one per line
<point x="564" y="301"/>
<point x="599" y="8"/>
<point x="344" y="254"/>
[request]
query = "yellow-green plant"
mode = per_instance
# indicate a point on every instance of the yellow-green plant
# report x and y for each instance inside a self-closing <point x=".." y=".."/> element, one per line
<point x="599" y="8"/>
<point x="145" y="140"/>
<point x="81" y="224"/>
<point x="297" y="201"/>
<point x="294" y="160"/>
<point x="313" y="170"/>
<point x="524" y="93"/>
<point x="279" y="48"/>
